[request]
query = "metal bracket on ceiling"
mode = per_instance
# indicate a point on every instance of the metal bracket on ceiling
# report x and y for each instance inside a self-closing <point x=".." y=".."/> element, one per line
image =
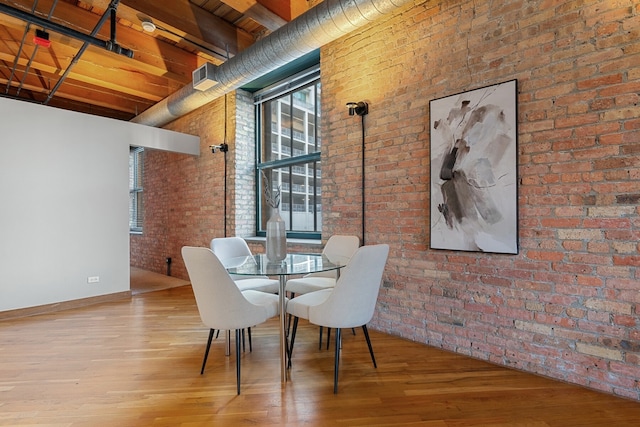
<point x="109" y="45"/>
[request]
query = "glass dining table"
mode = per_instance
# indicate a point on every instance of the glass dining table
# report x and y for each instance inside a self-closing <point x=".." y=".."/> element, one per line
<point x="293" y="265"/>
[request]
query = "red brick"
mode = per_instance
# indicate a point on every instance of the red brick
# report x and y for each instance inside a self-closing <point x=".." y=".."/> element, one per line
<point x="577" y="164"/>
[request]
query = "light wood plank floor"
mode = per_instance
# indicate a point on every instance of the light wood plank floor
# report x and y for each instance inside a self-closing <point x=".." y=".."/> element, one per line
<point x="147" y="281"/>
<point x="137" y="363"/>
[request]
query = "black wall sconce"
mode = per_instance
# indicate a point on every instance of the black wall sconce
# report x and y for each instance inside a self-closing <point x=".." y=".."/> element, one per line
<point x="222" y="147"/>
<point x="359" y="108"/>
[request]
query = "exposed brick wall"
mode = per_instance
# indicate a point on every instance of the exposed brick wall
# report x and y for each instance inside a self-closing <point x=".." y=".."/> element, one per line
<point x="184" y="195"/>
<point x="567" y="305"/>
<point x="244" y="167"/>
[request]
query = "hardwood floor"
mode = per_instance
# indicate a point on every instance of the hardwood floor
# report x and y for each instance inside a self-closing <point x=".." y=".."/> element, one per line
<point x="142" y="281"/>
<point x="137" y="363"/>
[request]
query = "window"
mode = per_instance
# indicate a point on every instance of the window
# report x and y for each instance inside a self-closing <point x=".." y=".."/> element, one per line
<point x="288" y="152"/>
<point x="136" y="206"/>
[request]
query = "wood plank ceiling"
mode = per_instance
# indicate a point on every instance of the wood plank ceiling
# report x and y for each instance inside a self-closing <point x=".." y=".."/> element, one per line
<point x="98" y="81"/>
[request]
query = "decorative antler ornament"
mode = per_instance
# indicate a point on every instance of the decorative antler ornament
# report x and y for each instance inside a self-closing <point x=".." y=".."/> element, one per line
<point x="273" y="200"/>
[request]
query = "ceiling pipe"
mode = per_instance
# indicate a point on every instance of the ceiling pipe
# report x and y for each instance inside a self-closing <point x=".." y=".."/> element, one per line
<point x="111" y="10"/>
<point x="61" y="29"/>
<point x="35" y="49"/>
<point x="15" y="61"/>
<point x="320" y="25"/>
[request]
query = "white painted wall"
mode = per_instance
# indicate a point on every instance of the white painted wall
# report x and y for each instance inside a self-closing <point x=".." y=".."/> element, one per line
<point x="64" y="201"/>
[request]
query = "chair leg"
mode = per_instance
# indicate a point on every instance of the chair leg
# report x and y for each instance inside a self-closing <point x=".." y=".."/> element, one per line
<point x="238" y="333"/>
<point x="336" y="362"/>
<point x="243" y="342"/>
<point x="320" y="339"/>
<point x="227" y="343"/>
<point x="293" y="338"/>
<point x="366" y="335"/>
<point x="292" y="295"/>
<point x="206" y="352"/>
<point x="329" y="336"/>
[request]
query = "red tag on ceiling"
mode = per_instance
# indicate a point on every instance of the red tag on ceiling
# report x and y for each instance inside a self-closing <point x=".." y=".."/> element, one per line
<point x="42" y="38"/>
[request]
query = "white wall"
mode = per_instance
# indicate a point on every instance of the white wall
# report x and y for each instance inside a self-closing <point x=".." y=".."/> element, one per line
<point x="64" y="201"/>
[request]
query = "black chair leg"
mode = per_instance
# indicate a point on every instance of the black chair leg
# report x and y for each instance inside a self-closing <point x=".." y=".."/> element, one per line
<point x="337" y="362"/>
<point x="243" y="342"/>
<point x="293" y="339"/>
<point x="329" y="335"/>
<point x="238" y="333"/>
<point x="366" y="335"/>
<point x="320" y="339"/>
<point x="287" y="350"/>
<point x="206" y="352"/>
<point x="291" y="296"/>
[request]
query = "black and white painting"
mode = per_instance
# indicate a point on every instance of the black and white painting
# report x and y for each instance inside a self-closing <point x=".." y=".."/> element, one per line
<point x="474" y="200"/>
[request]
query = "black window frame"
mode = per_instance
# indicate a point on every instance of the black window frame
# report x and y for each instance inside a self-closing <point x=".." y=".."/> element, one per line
<point x="286" y="88"/>
<point x="136" y="188"/>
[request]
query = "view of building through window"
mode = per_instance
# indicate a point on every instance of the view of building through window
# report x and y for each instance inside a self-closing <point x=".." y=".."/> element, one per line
<point x="290" y="157"/>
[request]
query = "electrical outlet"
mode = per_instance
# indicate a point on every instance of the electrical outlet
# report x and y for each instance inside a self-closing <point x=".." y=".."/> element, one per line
<point x="93" y="279"/>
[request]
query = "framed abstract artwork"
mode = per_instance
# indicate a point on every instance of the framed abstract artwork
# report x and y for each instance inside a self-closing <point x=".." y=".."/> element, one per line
<point x="474" y="177"/>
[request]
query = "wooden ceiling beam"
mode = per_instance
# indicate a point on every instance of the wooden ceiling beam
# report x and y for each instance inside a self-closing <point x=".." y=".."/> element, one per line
<point x="187" y="36"/>
<point x="101" y="72"/>
<point x="80" y="92"/>
<point x="84" y="107"/>
<point x="151" y="55"/>
<point x="75" y="91"/>
<point x="79" y="106"/>
<point x="258" y="13"/>
<point x="286" y="9"/>
<point x="189" y="22"/>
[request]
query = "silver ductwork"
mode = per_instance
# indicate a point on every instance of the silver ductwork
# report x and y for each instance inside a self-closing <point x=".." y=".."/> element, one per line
<point x="320" y="25"/>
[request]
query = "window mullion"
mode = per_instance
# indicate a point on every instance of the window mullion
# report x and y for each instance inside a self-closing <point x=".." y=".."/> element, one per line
<point x="289" y="151"/>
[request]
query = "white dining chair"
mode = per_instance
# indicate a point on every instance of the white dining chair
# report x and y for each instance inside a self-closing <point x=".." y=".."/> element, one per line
<point x="221" y="304"/>
<point x="339" y="248"/>
<point x="226" y="248"/>
<point x="349" y="304"/>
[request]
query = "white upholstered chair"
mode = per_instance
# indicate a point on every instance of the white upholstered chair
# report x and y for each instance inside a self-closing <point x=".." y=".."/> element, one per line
<point x="349" y="304"/>
<point x="220" y="303"/>
<point x="226" y="248"/>
<point x="338" y="248"/>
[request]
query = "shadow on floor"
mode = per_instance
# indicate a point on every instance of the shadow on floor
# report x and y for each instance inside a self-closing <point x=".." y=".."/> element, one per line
<point x="143" y="281"/>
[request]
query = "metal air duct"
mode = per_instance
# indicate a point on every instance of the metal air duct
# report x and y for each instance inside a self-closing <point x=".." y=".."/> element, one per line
<point x="320" y="25"/>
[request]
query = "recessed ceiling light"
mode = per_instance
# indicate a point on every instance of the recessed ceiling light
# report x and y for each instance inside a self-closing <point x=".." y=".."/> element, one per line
<point x="148" y="26"/>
